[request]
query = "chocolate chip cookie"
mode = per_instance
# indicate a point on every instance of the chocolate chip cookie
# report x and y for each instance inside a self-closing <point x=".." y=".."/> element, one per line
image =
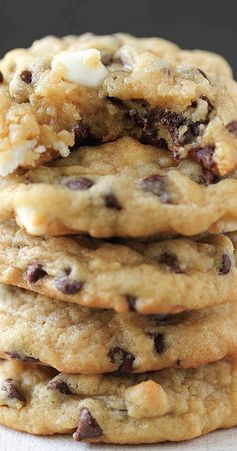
<point x="172" y="404"/>
<point x="73" y="339"/>
<point x="166" y="276"/>
<point x="122" y="188"/>
<point x="87" y="90"/>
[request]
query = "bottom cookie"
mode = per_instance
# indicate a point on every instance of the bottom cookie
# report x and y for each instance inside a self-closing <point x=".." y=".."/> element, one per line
<point x="172" y="404"/>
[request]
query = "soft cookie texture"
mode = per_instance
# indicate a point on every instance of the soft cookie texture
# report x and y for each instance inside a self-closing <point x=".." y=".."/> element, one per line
<point x="166" y="276"/>
<point x="72" y="339"/>
<point x="122" y="188"/>
<point x="172" y="404"/>
<point x="92" y="89"/>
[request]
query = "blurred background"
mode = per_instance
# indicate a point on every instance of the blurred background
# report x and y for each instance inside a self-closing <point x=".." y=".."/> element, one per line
<point x="210" y="24"/>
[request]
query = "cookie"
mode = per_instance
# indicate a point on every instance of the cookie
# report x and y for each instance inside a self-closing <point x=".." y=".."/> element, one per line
<point x="63" y="92"/>
<point x="122" y="188"/>
<point x="72" y="339"/>
<point x="173" y="404"/>
<point x="160" y="277"/>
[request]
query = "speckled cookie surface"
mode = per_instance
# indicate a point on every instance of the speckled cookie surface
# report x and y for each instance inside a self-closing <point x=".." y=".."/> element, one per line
<point x="90" y="89"/>
<point x="122" y="188"/>
<point x="171" y="404"/>
<point x="73" y="339"/>
<point x="160" y="277"/>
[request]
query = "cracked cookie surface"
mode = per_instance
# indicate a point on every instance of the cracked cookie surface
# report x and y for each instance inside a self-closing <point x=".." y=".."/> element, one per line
<point x="92" y="89"/>
<point x="73" y="339"/>
<point x="158" y="277"/>
<point x="122" y="188"/>
<point x="173" y="404"/>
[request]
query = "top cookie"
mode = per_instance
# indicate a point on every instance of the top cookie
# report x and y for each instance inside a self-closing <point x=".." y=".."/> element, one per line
<point x="89" y="89"/>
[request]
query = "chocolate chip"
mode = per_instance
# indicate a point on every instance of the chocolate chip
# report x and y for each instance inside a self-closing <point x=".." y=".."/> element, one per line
<point x="122" y="358"/>
<point x="67" y="285"/>
<point x="132" y="303"/>
<point x="171" y="261"/>
<point x="60" y="386"/>
<point x="88" y="427"/>
<point x="225" y="264"/>
<point x="232" y="127"/>
<point x="12" y="391"/>
<point x="115" y="101"/>
<point x="159" y="341"/>
<point x="157" y="184"/>
<point x="203" y="73"/>
<point x="79" y="183"/>
<point x="21" y="357"/>
<point x="35" y="272"/>
<point x="1" y="77"/>
<point x="112" y="202"/>
<point x="208" y="177"/>
<point x="81" y="132"/>
<point x="203" y="156"/>
<point x="26" y="76"/>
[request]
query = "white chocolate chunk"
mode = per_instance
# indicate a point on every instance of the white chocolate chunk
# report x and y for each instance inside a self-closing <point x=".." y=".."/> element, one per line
<point x="146" y="400"/>
<point x="84" y="67"/>
<point x="16" y="156"/>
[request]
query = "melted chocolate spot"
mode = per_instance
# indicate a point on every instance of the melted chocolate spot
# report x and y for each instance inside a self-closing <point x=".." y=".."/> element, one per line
<point x="88" y="427"/>
<point x="26" y="76"/>
<point x="225" y="264"/>
<point x="60" y="386"/>
<point x="21" y="357"/>
<point x="132" y="303"/>
<point x="157" y="184"/>
<point x="159" y="341"/>
<point x="1" y="77"/>
<point x="12" y="391"/>
<point x="116" y="102"/>
<point x="35" y="272"/>
<point x="171" y="261"/>
<point x="112" y="202"/>
<point x="232" y="127"/>
<point x="209" y="177"/>
<point x="67" y="285"/>
<point x="79" y="183"/>
<point x="123" y="358"/>
<point x="203" y="156"/>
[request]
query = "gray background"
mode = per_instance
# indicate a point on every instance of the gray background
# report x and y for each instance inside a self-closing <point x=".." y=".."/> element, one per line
<point x="192" y="24"/>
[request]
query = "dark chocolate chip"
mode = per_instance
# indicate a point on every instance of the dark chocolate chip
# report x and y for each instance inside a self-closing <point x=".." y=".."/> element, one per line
<point x="1" y="77"/>
<point x="35" y="272"/>
<point x="67" y="285"/>
<point x="12" y="391"/>
<point x="171" y="261"/>
<point x="88" y="427"/>
<point x="21" y="357"/>
<point x="60" y="386"/>
<point x="203" y="73"/>
<point x="115" y="101"/>
<point x="122" y="358"/>
<point x="203" y="156"/>
<point x="232" y="127"/>
<point x="112" y="202"/>
<point x="81" y="133"/>
<point x="159" y="341"/>
<point x="26" y="76"/>
<point x="132" y="303"/>
<point x="225" y="264"/>
<point x="157" y="184"/>
<point x="79" y="183"/>
<point x="208" y="177"/>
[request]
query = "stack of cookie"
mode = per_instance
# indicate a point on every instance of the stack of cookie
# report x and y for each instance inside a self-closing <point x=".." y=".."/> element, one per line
<point x="118" y="214"/>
